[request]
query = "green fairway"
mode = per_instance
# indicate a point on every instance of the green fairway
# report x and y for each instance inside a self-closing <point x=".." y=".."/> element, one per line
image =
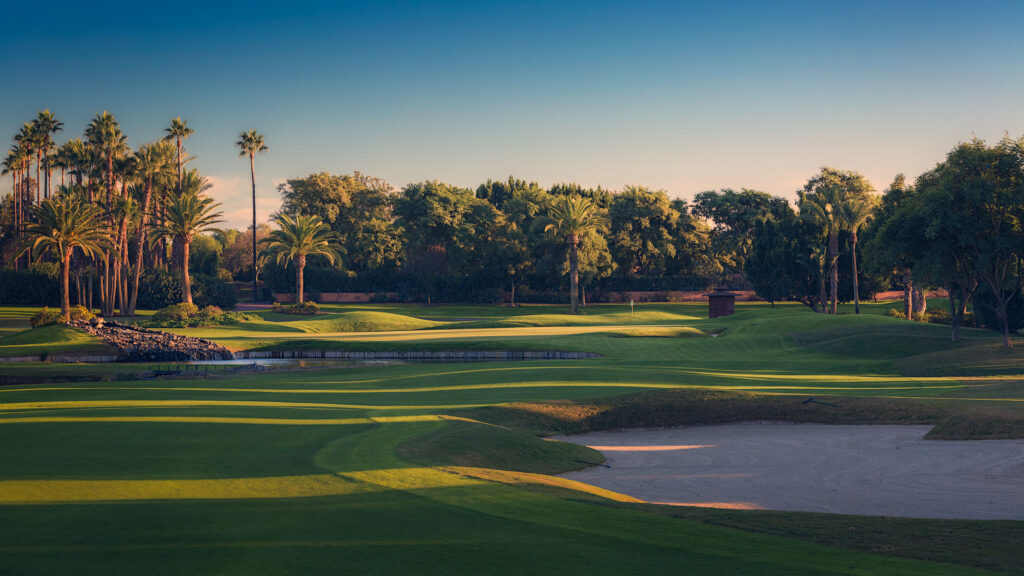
<point x="436" y="467"/>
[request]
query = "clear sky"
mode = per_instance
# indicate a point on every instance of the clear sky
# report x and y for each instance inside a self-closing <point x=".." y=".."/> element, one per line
<point x="683" y="96"/>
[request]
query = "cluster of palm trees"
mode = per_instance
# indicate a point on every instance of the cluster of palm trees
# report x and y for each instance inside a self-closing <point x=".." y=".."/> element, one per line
<point x="837" y="207"/>
<point x="115" y="216"/>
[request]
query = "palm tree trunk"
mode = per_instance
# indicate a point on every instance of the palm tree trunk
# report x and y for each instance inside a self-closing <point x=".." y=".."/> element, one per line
<point x="574" y="276"/>
<point x="39" y="183"/>
<point x="833" y="269"/>
<point x="513" y="303"/>
<point x="908" y="295"/>
<point x="252" y="172"/>
<point x="186" y="282"/>
<point x="856" y="281"/>
<point x="300" y="266"/>
<point x="141" y="241"/>
<point x="65" y="275"/>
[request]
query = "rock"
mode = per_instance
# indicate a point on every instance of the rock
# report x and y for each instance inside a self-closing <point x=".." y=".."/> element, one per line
<point x="136" y="344"/>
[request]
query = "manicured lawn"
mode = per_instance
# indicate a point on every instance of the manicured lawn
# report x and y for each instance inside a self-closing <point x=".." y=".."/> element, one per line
<point x="416" y="467"/>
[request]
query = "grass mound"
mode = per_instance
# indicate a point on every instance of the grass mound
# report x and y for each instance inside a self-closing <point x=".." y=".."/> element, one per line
<point x="50" y="339"/>
<point x="534" y="320"/>
<point x="480" y="445"/>
<point x="366" y="321"/>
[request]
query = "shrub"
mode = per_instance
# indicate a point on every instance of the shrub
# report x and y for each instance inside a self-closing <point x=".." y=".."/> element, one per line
<point x="307" y="308"/>
<point x="80" y="314"/>
<point x="176" y="312"/>
<point x="212" y="291"/>
<point x="895" y="313"/>
<point x="45" y="317"/>
<point x="191" y="316"/>
<point x="162" y="288"/>
<point x="29" y="288"/>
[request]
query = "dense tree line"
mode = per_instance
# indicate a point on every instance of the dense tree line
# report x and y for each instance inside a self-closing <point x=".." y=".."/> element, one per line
<point x="507" y="237"/>
<point x="958" y="227"/>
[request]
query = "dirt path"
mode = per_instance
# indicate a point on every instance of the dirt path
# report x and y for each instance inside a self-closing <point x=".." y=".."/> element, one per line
<point x="873" y="470"/>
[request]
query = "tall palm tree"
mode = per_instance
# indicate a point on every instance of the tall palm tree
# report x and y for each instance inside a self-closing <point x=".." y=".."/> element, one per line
<point x="824" y="207"/>
<point x="249" y="144"/>
<point x="187" y="215"/>
<point x="296" y="239"/>
<point x="569" y="218"/>
<point x="46" y="126"/>
<point x="151" y="160"/>
<point x="178" y="131"/>
<point x="105" y="137"/>
<point x="62" y="224"/>
<point x="104" y="134"/>
<point x="856" y="212"/>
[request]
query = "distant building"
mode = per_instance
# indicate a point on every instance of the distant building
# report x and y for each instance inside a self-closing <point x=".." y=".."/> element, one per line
<point x="721" y="302"/>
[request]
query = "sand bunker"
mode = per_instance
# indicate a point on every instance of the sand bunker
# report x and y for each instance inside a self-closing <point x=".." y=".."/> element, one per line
<point x="873" y="470"/>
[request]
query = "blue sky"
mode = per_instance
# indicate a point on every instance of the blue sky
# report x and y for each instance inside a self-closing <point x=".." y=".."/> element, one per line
<point x="684" y="96"/>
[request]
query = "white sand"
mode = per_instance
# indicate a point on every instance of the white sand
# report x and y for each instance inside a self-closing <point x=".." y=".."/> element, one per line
<point x="873" y="470"/>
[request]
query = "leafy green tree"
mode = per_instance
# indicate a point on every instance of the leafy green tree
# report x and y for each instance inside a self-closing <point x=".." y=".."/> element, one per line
<point x="359" y="208"/>
<point x="768" y="265"/>
<point x="569" y="219"/>
<point x="499" y="192"/>
<point x="298" y="238"/>
<point x="735" y="216"/>
<point x="432" y="214"/>
<point x="250" y="144"/>
<point x="642" y="223"/>
<point x="62" y="224"/>
<point x="188" y="215"/>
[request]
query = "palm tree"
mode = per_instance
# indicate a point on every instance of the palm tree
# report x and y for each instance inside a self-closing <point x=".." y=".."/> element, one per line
<point x="108" y="142"/>
<point x="150" y="162"/>
<point x="855" y="213"/>
<point x="46" y="125"/>
<point x="104" y="134"/>
<point x="297" y="238"/>
<point x="187" y="215"/>
<point x="178" y="131"/>
<point x="569" y="218"/>
<point x="824" y="207"/>
<point x="249" y="144"/>
<point x="63" y="223"/>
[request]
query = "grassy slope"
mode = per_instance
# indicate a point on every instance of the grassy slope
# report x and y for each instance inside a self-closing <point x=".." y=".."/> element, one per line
<point x="48" y="340"/>
<point x="397" y="514"/>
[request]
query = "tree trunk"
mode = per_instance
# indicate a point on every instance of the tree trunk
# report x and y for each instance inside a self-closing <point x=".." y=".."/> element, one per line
<point x="908" y="295"/>
<point x="186" y="282"/>
<point x="955" y="315"/>
<point x="300" y="266"/>
<point x="856" y="281"/>
<point x="65" y="288"/>
<point x="833" y="269"/>
<point x="141" y="243"/>
<point x="39" y="183"/>
<point x="513" y="299"/>
<point x="821" y="293"/>
<point x="252" y="172"/>
<point x="574" y="277"/>
<point x="920" y="302"/>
